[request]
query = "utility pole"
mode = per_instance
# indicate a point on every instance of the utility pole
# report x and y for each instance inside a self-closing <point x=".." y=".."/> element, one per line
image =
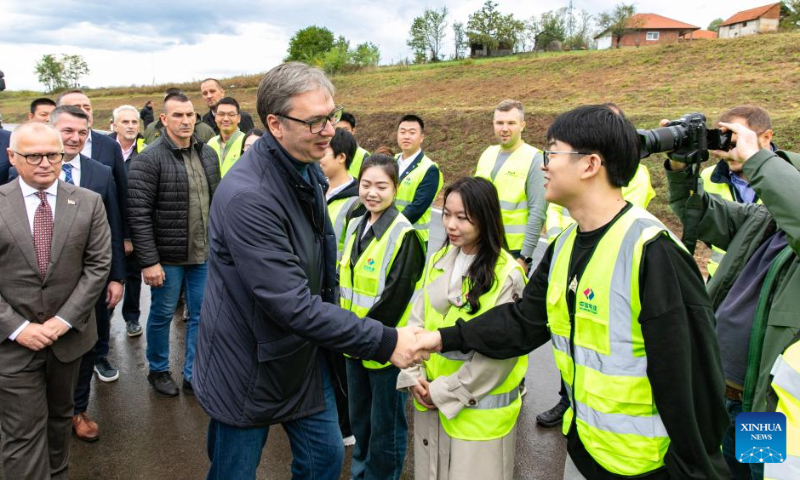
<point x="570" y="21"/>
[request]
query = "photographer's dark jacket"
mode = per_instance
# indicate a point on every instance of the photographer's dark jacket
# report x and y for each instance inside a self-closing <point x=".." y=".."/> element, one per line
<point x="741" y="230"/>
<point x="269" y="302"/>
<point x="158" y="200"/>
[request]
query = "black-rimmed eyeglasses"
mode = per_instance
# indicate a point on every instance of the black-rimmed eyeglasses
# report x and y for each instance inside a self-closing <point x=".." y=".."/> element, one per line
<point x="546" y="155"/>
<point x="318" y="124"/>
<point x="36" y="158"/>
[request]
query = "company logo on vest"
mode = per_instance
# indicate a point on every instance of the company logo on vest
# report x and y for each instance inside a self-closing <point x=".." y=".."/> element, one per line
<point x="588" y="306"/>
<point x="370" y="265"/>
<point x="761" y="437"/>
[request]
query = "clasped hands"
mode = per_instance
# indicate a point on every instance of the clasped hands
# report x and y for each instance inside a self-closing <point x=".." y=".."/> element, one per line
<point x="37" y="336"/>
<point x="414" y="344"/>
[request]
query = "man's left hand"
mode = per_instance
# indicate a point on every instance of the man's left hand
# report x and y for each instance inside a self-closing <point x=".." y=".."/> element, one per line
<point x="114" y="294"/>
<point x="128" y="247"/>
<point x="56" y="326"/>
<point x="746" y="143"/>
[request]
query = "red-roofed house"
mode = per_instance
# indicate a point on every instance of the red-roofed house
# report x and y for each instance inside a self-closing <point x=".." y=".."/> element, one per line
<point x="750" y="22"/>
<point x="647" y="29"/>
<point x="701" y="35"/>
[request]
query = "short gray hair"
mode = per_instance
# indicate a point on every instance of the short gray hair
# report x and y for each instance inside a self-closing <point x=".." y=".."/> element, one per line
<point x="508" y="105"/>
<point x="279" y="85"/>
<point x="70" y="110"/>
<point x="35" y="128"/>
<point x="122" y="108"/>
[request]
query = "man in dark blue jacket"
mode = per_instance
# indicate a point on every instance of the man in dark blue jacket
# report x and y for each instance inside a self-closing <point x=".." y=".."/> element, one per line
<point x="5" y="137"/>
<point x="269" y="314"/>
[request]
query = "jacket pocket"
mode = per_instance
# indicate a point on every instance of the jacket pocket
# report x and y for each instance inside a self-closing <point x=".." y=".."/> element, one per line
<point x="283" y="368"/>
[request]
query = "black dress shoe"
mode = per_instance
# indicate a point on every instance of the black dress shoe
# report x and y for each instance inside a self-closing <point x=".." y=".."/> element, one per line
<point x="554" y="416"/>
<point x="163" y="383"/>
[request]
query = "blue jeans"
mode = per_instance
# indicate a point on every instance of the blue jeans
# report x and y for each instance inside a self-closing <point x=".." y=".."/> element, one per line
<point x="163" y="301"/>
<point x="316" y="443"/>
<point x="739" y="471"/>
<point x="378" y="420"/>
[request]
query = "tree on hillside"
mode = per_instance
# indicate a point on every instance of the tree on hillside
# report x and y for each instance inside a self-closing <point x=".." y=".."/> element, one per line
<point x="59" y="73"/>
<point x="714" y="25"/>
<point x="581" y="36"/>
<point x="427" y="34"/>
<point x="366" y="54"/>
<point x="459" y="40"/>
<point x="790" y="15"/>
<point x="552" y="28"/>
<point x="617" y="21"/>
<point x="492" y="29"/>
<point x="309" y="43"/>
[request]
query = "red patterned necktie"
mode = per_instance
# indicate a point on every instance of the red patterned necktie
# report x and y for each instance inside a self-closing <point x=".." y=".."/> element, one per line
<point x="43" y="232"/>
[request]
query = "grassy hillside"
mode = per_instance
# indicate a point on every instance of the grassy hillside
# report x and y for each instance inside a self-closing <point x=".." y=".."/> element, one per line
<point x="456" y="99"/>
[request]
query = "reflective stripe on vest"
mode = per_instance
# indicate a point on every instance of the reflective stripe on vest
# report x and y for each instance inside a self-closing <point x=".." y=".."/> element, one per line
<point x="337" y="210"/>
<point x="786" y="385"/>
<point x="639" y="192"/>
<point x="358" y="160"/>
<point x="495" y="414"/>
<point x="233" y="153"/>
<point x="408" y="190"/>
<point x="605" y="368"/>
<point x="362" y="285"/>
<point x="510" y="183"/>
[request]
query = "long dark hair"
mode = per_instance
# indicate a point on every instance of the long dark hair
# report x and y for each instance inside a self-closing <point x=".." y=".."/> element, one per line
<point x="482" y="207"/>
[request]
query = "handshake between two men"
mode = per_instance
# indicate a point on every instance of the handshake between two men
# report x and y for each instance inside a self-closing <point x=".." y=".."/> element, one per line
<point x="414" y="344"/>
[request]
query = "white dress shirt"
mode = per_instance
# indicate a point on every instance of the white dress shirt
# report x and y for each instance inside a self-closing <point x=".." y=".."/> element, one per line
<point x="76" y="171"/>
<point x="87" y="147"/>
<point x="404" y="163"/>
<point x="32" y="202"/>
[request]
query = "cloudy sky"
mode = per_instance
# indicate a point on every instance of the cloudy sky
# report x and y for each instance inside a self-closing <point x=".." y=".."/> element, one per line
<point x="141" y="42"/>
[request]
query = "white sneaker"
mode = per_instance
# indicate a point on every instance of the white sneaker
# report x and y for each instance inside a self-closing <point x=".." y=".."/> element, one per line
<point x="349" y="441"/>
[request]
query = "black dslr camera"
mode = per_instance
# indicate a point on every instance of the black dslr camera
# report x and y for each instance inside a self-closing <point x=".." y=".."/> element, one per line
<point x="687" y="139"/>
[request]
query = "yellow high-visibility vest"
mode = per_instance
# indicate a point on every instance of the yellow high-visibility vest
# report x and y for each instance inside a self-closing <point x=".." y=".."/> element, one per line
<point x="233" y="154"/>
<point x="358" y="160"/>
<point x="602" y="356"/>
<point x="337" y="210"/>
<point x="786" y="385"/>
<point x="496" y="413"/>
<point x="510" y="183"/>
<point x="361" y="285"/>
<point x="408" y="190"/>
<point x="639" y="192"/>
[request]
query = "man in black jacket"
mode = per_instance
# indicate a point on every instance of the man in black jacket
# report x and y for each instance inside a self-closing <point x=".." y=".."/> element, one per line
<point x="146" y="114"/>
<point x="171" y="185"/>
<point x="213" y="92"/>
<point x="269" y="312"/>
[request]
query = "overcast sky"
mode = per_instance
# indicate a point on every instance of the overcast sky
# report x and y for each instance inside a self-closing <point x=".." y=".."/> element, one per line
<point x="161" y="41"/>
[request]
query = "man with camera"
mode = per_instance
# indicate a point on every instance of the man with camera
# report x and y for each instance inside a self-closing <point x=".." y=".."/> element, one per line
<point x="641" y="368"/>
<point x="754" y="292"/>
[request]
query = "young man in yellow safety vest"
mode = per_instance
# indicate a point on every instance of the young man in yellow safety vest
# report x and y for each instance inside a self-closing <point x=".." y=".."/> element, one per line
<point x="348" y="123"/>
<point x="625" y="308"/>
<point x="229" y="144"/>
<point x="420" y="178"/>
<point x="515" y="169"/>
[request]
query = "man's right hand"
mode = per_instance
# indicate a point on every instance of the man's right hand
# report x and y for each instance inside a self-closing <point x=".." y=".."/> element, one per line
<point x="154" y="275"/>
<point x="406" y="353"/>
<point x="36" y="337"/>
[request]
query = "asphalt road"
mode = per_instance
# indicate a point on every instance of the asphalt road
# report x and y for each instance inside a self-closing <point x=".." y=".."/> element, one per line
<point x="144" y="436"/>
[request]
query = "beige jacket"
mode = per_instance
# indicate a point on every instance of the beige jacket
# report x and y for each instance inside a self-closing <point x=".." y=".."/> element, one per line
<point x="477" y="376"/>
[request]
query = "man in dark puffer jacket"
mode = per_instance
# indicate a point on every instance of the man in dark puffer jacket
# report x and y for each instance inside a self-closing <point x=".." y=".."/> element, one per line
<point x="169" y="194"/>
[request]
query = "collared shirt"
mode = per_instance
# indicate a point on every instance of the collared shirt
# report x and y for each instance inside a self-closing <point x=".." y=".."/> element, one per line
<point x="75" y="163"/>
<point x="743" y="188"/>
<point x="199" y="202"/>
<point x="87" y="147"/>
<point x="32" y="202"/>
<point x="404" y="163"/>
<point x="126" y="154"/>
<point x="333" y="191"/>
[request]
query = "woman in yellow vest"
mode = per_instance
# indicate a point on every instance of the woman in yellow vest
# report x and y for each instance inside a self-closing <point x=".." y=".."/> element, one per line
<point x="466" y="406"/>
<point x="381" y="265"/>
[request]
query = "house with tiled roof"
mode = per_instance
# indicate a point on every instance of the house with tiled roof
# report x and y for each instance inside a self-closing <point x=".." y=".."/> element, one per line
<point x="647" y="29"/>
<point x="702" y="35"/>
<point x="763" y="19"/>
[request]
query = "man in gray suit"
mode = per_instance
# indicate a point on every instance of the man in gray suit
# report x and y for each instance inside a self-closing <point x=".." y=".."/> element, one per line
<point x="55" y="257"/>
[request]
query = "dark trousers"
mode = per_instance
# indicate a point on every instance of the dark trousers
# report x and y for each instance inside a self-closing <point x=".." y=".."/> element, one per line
<point x="739" y="471"/>
<point x="36" y="417"/>
<point x="378" y="419"/>
<point x="133" y="290"/>
<point x="100" y="351"/>
<point x="339" y="372"/>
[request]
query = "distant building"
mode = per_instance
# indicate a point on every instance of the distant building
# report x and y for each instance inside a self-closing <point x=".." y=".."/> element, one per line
<point x="647" y="29"/>
<point x="702" y="35"/>
<point x="750" y="22"/>
<point x="477" y="50"/>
